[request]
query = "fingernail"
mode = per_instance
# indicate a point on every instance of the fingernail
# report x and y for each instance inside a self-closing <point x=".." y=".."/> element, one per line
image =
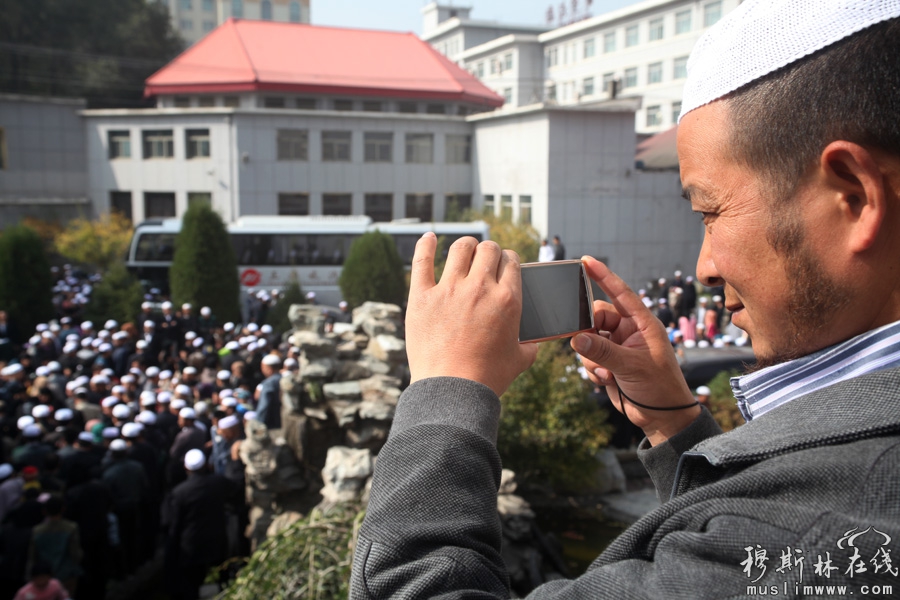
<point x="582" y="344"/>
<point x="428" y="234"/>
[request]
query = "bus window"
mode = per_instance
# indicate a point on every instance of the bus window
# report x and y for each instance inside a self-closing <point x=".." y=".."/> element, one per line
<point x="155" y="247"/>
<point x="406" y="246"/>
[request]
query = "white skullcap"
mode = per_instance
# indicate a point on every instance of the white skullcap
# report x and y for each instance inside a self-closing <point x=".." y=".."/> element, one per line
<point x="152" y="371"/>
<point x="41" y="327"/>
<point x="121" y="411"/>
<point x="141" y="344"/>
<point x="146" y="305"/>
<point x="70" y="348"/>
<point x="64" y="414"/>
<point x="164" y="397"/>
<point x="42" y="371"/>
<point x="251" y="347"/>
<point x="167" y="374"/>
<point x="343" y="304"/>
<point x="271" y="360"/>
<point x="87" y="325"/>
<point x="703" y="391"/>
<point x="252" y="327"/>
<point x="229" y="402"/>
<point x="146" y="417"/>
<point x="223" y="374"/>
<point x="149" y="323"/>
<point x="228" y="422"/>
<point x="118" y="446"/>
<point x="148" y="398"/>
<point x="189" y="336"/>
<point x="741" y="341"/>
<point x="6" y="470"/>
<point x="24" y="421"/>
<point x="194" y="460"/>
<point x="86" y="342"/>
<point x="310" y="295"/>
<point x="31" y="431"/>
<point x="762" y="36"/>
<point x="118" y="389"/>
<point x="200" y="408"/>
<point x="109" y="402"/>
<point x="703" y="344"/>
<point x="265" y="329"/>
<point x="718" y="344"/>
<point x="110" y="433"/>
<point x="13" y="369"/>
<point x="205" y="311"/>
<point x="250" y="415"/>
<point x="690" y="344"/>
<point x="186" y="306"/>
<point x="190" y="371"/>
<point x="177" y="404"/>
<point x="131" y="430"/>
<point x="86" y="437"/>
<point x="228" y="327"/>
<point x="111" y="324"/>
<point x="261" y="343"/>
<point x="226" y="393"/>
<point x="41" y="411"/>
<point x="233" y="345"/>
<point x="120" y="335"/>
<point x="197" y="343"/>
<point x="291" y="363"/>
<point x="166" y="305"/>
<point x="182" y="390"/>
<point x="187" y="413"/>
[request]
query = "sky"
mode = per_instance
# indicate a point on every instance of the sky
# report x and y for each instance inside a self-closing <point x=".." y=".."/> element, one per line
<point x="406" y="15"/>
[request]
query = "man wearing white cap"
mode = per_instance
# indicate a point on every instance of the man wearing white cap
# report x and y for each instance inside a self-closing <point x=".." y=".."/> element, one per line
<point x="789" y="150"/>
<point x="194" y="520"/>
<point x="129" y="488"/>
<point x="188" y="438"/>
<point x="268" y="409"/>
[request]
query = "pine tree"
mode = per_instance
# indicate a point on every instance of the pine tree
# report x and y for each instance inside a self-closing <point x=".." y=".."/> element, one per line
<point x="118" y="296"/>
<point x="204" y="268"/>
<point x="25" y="281"/>
<point x="373" y="271"/>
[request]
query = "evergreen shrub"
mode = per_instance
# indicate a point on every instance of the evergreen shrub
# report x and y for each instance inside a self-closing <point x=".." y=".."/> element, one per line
<point x="373" y="271"/>
<point x="26" y="285"/>
<point x="117" y="296"/>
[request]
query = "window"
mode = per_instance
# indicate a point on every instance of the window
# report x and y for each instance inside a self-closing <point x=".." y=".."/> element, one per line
<point x="237" y="8"/>
<point x="419" y="206"/>
<point x="507" y="61"/>
<point x="306" y="103"/>
<point x="479" y="70"/>
<point x="186" y="4"/>
<point x="654" y="73"/>
<point x="186" y="25"/>
<point x="197" y="143"/>
<point x="458" y="149"/>
<point x="489" y="204"/>
<point x="507" y="95"/>
<point x="295" y="16"/>
<point x="608" y="78"/>
<point x="343" y="105"/>
<point x="158" y="143"/>
<point x="631" y="36"/>
<point x="293" y="204"/>
<point x="379" y="207"/>
<point x="656" y="29"/>
<point x="712" y="12"/>
<point x="552" y="57"/>
<point x="462" y="111"/>
<point x="456" y="205"/>
<point x="682" y="21"/>
<point x="506" y="207"/>
<point x="420" y="148"/>
<point x="266" y="10"/>
<point x="119" y="143"/>
<point x="231" y="101"/>
<point x="654" y="116"/>
<point x="630" y="78"/>
<point x="372" y="106"/>
<point x="587" y="86"/>
<point x="435" y="109"/>
<point x="208" y="5"/>
<point x="551" y="92"/>
<point x="337" y="204"/>
<point x="3" y="157"/>
<point x="336" y="145"/>
<point x="609" y="42"/>
<point x="676" y="111"/>
<point x="525" y="210"/>
<point x="208" y="26"/>
<point x="589" y="47"/>
<point x="680" y="69"/>
<point x="182" y="102"/>
<point x="159" y="204"/>
<point x="407" y="107"/>
<point x="274" y="102"/>
<point x="206" y="101"/>
<point x="197" y="198"/>
<point x="120" y="202"/>
<point x="493" y="66"/>
<point x="379" y="146"/>
<point x="293" y="144"/>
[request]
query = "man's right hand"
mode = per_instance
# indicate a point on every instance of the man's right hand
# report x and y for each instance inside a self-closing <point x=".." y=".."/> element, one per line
<point x="637" y="358"/>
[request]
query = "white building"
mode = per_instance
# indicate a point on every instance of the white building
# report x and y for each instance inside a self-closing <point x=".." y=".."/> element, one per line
<point x="195" y="18"/>
<point x="639" y="51"/>
<point x="379" y="123"/>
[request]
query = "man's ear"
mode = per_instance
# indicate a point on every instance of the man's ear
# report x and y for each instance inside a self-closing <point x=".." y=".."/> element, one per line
<point x="853" y="175"/>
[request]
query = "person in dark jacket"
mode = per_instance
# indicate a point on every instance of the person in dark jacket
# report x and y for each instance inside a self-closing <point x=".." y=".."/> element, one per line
<point x="128" y="485"/>
<point x="194" y="521"/>
<point x="190" y="437"/>
<point x="268" y="409"/>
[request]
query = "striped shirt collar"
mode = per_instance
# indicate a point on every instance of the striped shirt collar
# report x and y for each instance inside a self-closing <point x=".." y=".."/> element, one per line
<point x="760" y="392"/>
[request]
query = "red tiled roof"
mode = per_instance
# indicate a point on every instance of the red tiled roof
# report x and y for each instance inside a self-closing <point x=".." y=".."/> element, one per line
<point x="246" y="55"/>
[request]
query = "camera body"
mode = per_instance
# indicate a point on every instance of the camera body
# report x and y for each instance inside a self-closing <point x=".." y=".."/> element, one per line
<point x="557" y="301"/>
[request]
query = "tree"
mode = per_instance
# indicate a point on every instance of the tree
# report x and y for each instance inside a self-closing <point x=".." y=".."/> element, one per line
<point x="373" y="271"/>
<point x="101" y="50"/>
<point x="100" y="243"/>
<point x="550" y="429"/>
<point x="277" y="316"/>
<point x="118" y="296"/>
<point x="204" y="268"/>
<point x="521" y="237"/>
<point x="26" y="286"/>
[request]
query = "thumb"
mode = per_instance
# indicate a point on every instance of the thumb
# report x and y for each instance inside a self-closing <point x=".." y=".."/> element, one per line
<point x="600" y="350"/>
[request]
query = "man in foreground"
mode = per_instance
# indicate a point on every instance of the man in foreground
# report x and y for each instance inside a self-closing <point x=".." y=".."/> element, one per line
<point x="789" y="149"/>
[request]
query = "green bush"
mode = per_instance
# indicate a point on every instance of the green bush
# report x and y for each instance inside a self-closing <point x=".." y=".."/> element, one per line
<point x="373" y="271"/>
<point x="26" y="286"/>
<point x="722" y="404"/>
<point x="118" y="296"/>
<point x="277" y="316"/>
<point x="309" y="559"/>
<point x="550" y="429"/>
<point x="204" y="268"/>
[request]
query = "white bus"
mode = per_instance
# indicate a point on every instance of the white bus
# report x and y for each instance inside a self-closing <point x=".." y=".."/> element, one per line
<point x="273" y="251"/>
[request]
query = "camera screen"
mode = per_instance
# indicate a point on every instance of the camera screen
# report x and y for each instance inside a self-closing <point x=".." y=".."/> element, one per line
<point x="555" y="300"/>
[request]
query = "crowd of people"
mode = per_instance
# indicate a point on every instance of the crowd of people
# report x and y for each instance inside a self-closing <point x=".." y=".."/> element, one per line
<point x="121" y="440"/>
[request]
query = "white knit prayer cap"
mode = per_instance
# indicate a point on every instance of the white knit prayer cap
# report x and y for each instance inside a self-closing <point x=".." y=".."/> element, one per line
<point x="762" y="36"/>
